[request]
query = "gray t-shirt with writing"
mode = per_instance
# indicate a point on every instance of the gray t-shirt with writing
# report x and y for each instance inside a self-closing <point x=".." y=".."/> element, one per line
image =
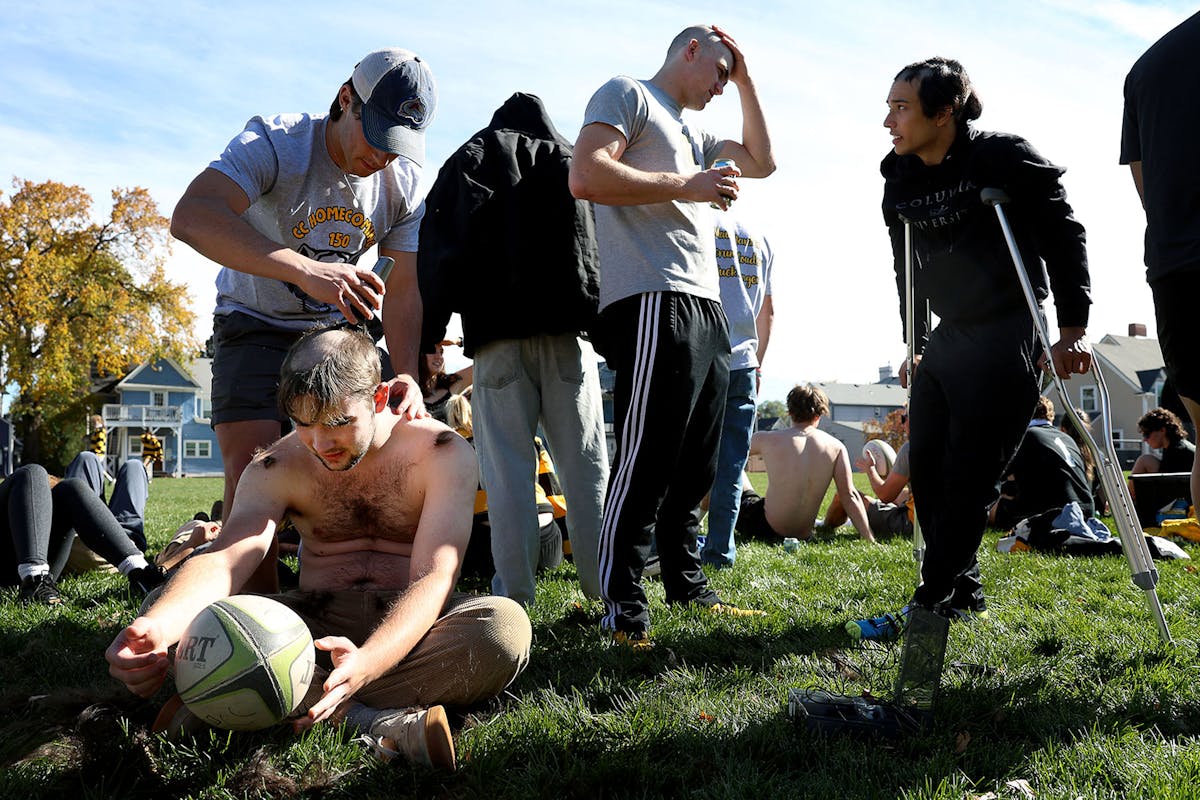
<point x="744" y="267"/>
<point x="301" y="199"/>
<point x="657" y="246"/>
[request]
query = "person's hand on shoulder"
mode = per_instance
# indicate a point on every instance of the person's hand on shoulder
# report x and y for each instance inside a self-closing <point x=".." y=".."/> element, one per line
<point x="404" y="397"/>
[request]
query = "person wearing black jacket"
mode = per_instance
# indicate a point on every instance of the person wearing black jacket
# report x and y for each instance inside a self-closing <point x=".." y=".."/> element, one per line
<point x="506" y="245"/>
<point x="976" y="384"/>
<point x="1047" y="472"/>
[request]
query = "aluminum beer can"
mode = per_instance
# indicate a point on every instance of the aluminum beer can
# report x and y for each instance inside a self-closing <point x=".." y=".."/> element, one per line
<point x="718" y="164"/>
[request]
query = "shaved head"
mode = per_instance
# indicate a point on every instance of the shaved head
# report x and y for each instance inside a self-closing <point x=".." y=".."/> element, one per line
<point x="325" y="367"/>
<point x="703" y="34"/>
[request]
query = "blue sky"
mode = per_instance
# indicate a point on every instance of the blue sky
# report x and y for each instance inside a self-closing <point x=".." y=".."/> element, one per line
<point x="107" y="94"/>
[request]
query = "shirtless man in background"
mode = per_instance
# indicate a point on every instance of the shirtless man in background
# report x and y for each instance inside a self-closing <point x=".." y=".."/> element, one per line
<point x="801" y="461"/>
<point x="383" y="506"/>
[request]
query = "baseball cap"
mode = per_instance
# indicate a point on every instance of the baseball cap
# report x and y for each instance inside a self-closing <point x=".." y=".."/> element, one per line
<point x="399" y="98"/>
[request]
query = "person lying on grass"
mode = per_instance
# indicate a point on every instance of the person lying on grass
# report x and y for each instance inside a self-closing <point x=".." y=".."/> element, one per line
<point x="383" y="507"/>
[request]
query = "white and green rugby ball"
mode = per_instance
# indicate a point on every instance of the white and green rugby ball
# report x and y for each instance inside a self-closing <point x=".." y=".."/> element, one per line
<point x="244" y="663"/>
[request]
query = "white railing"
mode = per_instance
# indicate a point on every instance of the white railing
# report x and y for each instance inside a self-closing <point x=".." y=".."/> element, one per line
<point x="146" y="416"/>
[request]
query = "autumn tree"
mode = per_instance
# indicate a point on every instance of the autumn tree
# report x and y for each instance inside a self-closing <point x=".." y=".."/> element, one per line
<point x="891" y="430"/>
<point x="79" y="295"/>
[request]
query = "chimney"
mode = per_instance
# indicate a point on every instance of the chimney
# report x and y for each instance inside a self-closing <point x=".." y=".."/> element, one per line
<point x="885" y="373"/>
<point x="1137" y="329"/>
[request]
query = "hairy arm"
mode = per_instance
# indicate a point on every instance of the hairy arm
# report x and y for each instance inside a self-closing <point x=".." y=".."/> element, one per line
<point x="209" y="218"/>
<point x="138" y="656"/>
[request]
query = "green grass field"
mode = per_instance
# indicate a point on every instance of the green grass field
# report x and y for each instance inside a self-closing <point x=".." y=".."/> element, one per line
<point x="1063" y="692"/>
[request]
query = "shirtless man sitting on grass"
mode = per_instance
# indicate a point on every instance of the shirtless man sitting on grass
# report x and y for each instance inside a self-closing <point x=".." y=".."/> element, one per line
<point x="383" y="506"/>
<point x="801" y="461"/>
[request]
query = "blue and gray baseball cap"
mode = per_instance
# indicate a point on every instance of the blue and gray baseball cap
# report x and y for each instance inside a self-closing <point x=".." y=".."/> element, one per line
<point x="399" y="97"/>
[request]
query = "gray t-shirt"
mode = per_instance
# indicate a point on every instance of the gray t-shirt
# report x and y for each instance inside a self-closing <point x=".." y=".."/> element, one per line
<point x="302" y="200"/>
<point x="658" y="246"/>
<point x="744" y="267"/>
<point x="901" y="465"/>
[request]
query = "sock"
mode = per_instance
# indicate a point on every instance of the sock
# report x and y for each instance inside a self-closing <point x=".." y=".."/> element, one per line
<point x="31" y="569"/>
<point x="131" y="563"/>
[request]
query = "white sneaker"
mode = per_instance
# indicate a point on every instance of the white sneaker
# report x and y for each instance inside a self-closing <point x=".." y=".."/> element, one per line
<point x="422" y="735"/>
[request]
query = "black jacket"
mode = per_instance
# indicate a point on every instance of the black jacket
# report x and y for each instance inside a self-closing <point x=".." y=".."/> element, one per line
<point x="503" y="241"/>
<point x="963" y="266"/>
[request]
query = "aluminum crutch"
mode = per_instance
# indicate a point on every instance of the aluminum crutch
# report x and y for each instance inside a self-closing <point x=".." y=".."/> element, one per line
<point x="910" y="336"/>
<point x="1133" y="542"/>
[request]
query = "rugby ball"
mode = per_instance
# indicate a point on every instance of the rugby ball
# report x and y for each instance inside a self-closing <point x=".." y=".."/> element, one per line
<point x="883" y="455"/>
<point x="244" y="663"/>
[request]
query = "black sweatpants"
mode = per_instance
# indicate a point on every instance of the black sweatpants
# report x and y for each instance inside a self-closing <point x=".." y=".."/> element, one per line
<point x="972" y="397"/>
<point x="670" y="352"/>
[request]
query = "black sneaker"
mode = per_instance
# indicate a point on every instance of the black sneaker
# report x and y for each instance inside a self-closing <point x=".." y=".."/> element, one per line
<point x="40" y="589"/>
<point x="144" y="580"/>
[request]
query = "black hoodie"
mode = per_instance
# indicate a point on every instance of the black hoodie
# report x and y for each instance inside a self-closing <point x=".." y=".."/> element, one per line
<point x="963" y="266"/>
<point x="503" y="241"/>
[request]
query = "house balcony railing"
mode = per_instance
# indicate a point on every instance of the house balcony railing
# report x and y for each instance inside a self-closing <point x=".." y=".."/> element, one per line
<point x="145" y="416"/>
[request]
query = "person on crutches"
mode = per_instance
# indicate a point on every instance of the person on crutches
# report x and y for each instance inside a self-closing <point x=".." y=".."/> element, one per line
<point x="975" y="376"/>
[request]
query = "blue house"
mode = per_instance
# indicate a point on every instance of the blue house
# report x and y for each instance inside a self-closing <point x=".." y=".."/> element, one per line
<point x="173" y="403"/>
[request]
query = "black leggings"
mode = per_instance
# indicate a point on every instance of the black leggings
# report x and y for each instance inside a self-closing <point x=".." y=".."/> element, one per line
<point x="38" y="524"/>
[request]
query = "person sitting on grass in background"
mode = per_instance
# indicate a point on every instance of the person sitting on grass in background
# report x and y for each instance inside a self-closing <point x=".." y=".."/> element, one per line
<point x="1048" y="471"/>
<point x="801" y="461"/>
<point x="437" y="385"/>
<point x="383" y="507"/>
<point x="891" y="511"/>
<point x="1162" y="430"/>
<point x="40" y="517"/>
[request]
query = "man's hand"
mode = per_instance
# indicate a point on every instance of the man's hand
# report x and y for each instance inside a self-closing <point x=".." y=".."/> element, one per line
<point x="1072" y="353"/>
<point x="866" y="461"/>
<point x="404" y="397"/>
<point x="138" y="657"/>
<point x="738" y="74"/>
<point x="906" y="373"/>
<point x="713" y="186"/>
<point x="350" y="673"/>
<point x="357" y="292"/>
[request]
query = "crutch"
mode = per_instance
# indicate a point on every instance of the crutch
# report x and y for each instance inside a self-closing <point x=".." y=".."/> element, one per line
<point x="910" y="336"/>
<point x="1133" y="542"/>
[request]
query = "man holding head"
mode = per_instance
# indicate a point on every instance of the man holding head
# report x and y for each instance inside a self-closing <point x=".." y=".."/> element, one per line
<point x="383" y="507"/>
<point x="288" y="210"/>
<point x="661" y="326"/>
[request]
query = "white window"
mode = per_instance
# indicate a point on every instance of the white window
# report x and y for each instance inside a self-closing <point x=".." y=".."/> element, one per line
<point x="135" y="446"/>
<point x="197" y="448"/>
<point x="158" y="398"/>
<point x="1087" y="399"/>
<point x="204" y="403"/>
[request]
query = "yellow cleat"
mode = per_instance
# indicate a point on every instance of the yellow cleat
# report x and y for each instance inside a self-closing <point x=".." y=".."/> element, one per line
<point x="734" y="611"/>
